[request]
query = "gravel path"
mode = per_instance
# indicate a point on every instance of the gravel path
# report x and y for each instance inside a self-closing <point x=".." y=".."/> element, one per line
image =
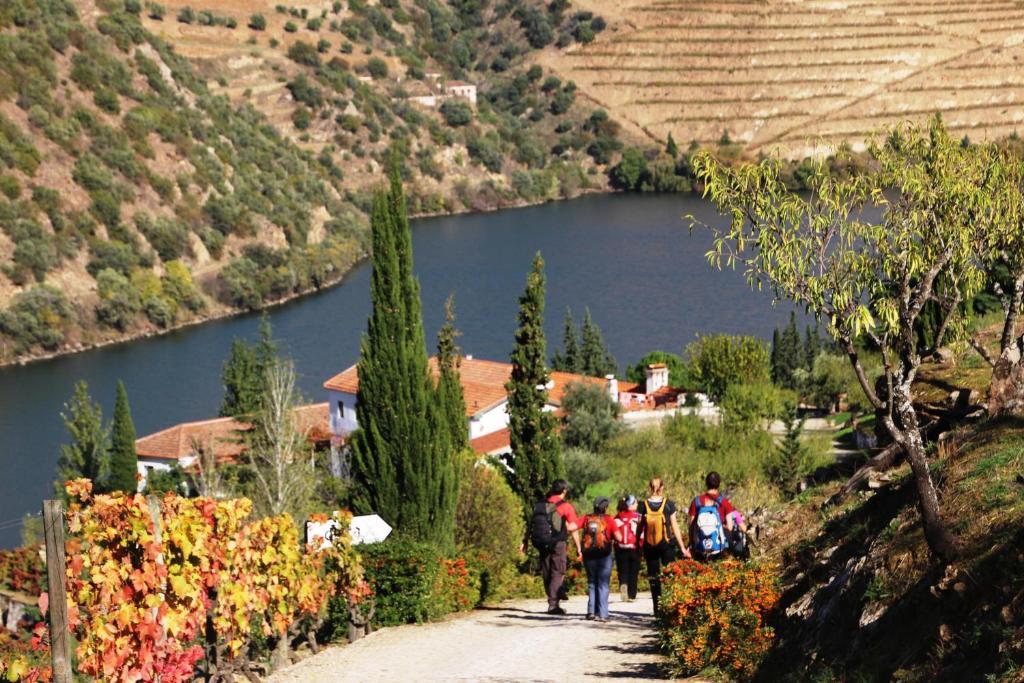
<point x="513" y="642"/>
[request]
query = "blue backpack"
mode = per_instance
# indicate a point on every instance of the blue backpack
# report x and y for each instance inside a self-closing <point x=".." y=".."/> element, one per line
<point x="708" y="528"/>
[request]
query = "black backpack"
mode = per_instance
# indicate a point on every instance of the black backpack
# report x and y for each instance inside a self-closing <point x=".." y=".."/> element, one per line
<point x="547" y="527"/>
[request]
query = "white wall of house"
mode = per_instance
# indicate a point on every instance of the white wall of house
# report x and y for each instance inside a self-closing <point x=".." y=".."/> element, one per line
<point x="342" y="409"/>
<point x="489" y="421"/>
<point x="147" y="465"/>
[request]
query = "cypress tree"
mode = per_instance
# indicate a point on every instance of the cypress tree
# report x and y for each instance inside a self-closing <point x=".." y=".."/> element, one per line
<point x="124" y="463"/>
<point x="241" y="380"/>
<point x="536" y="460"/>
<point x="774" y="362"/>
<point x="595" y="358"/>
<point x="401" y="455"/>
<point x="569" y="361"/>
<point x="449" y="388"/>
<point x="671" y="148"/>
<point x="86" y="456"/>
<point x="812" y="347"/>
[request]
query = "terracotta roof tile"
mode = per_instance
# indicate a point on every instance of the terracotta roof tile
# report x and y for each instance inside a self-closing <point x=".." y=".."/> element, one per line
<point x="483" y="382"/>
<point x="223" y="435"/>
<point x="495" y="442"/>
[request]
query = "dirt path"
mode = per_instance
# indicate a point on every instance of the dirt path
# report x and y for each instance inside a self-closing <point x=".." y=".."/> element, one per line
<point x="514" y="642"/>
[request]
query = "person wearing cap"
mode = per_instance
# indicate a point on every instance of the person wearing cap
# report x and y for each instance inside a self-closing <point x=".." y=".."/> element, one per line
<point x="598" y="534"/>
<point x="627" y="550"/>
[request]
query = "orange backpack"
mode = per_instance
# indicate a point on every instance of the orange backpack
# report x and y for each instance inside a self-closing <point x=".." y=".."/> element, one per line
<point x="595" y="536"/>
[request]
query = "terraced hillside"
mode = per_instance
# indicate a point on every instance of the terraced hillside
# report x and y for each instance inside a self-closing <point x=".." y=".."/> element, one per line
<point x="794" y="75"/>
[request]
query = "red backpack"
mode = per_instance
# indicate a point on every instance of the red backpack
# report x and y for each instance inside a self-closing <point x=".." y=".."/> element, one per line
<point x="595" y="536"/>
<point x="628" y="521"/>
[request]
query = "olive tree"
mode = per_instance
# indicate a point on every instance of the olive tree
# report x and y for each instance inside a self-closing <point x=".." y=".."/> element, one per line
<point x="1004" y="250"/>
<point x="868" y="277"/>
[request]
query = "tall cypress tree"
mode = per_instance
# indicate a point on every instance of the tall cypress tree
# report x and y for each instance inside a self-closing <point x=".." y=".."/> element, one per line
<point x="87" y="455"/>
<point x="569" y="360"/>
<point x="124" y="462"/>
<point x="671" y="148"/>
<point x="792" y="353"/>
<point x="241" y="381"/>
<point x="812" y="346"/>
<point x="536" y="459"/>
<point x="401" y="455"/>
<point x="775" y="361"/>
<point x="595" y="358"/>
<point x="449" y="387"/>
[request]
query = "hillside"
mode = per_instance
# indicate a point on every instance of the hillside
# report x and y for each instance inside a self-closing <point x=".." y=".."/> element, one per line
<point x="161" y="164"/>
<point x="794" y="76"/>
<point x="863" y="599"/>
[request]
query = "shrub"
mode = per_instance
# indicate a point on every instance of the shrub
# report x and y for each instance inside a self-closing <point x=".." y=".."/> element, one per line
<point x="119" y="301"/>
<point x="187" y="15"/>
<point x="377" y="68"/>
<point x="302" y="52"/>
<point x="749" y="406"/>
<point x="111" y="254"/>
<point x="290" y="27"/>
<point x="591" y="416"/>
<point x="10" y="186"/>
<point x="583" y="468"/>
<point x="156" y="11"/>
<point x="166" y="235"/>
<point x="37" y="317"/>
<point x="712" y="615"/>
<point x="489" y="526"/>
<point x="301" y="118"/>
<point x="456" y="112"/>
<point x="258" y="22"/>
<point x="413" y="582"/>
<point x="159" y="310"/>
<point x="177" y="285"/>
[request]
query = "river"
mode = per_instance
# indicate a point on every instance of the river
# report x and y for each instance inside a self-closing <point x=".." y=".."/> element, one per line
<point x="629" y="258"/>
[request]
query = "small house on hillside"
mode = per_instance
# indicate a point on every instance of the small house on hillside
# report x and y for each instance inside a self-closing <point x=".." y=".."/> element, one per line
<point x="221" y="437"/>
<point x="432" y="92"/>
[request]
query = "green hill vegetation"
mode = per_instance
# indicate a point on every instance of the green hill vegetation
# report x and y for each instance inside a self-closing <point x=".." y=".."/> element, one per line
<point x="140" y="191"/>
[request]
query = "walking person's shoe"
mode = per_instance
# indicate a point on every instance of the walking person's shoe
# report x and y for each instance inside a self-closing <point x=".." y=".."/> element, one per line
<point x="590" y="617"/>
<point x="623" y="593"/>
<point x="557" y="610"/>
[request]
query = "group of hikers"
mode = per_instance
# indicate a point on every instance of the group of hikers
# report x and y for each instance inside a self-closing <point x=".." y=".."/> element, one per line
<point x="648" y="529"/>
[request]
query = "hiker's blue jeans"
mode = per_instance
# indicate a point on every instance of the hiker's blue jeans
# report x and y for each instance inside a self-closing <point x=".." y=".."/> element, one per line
<point x="599" y="579"/>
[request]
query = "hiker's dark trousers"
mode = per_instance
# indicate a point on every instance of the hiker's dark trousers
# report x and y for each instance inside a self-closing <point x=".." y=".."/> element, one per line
<point x="552" y="568"/>
<point x="627" y="560"/>
<point x="657" y="557"/>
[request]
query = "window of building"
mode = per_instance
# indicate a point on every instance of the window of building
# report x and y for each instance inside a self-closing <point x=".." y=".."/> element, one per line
<point x="341" y="409"/>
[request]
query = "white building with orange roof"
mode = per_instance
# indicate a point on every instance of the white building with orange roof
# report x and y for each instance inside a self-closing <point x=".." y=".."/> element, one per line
<point x="223" y="437"/>
<point x="483" y="387"/>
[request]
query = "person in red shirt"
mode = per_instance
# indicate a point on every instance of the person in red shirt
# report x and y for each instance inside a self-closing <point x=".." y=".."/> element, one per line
<point x="711" y="498"/>
<point x="627" y="549"/>
<point x="554" y="560"/>
<point x="599" y="533"/>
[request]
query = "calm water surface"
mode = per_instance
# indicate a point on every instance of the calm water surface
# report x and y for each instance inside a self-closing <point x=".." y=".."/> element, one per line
<point x="630" y="258"/>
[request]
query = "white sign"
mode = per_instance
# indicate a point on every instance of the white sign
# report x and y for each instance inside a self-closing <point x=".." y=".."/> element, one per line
<point x="369" y="529"/>
<point x="364" y="529"/>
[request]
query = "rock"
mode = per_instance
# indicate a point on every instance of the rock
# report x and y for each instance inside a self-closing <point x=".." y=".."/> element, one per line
<point x="945" y="633"/>
<point x="1007" y="615"/>
<point x="877" y="480"/>
<point x="1006" y="394"/>
<point x="960" y="588"/>
<point x="872" y="613"/>
<point x="945" y="355"/>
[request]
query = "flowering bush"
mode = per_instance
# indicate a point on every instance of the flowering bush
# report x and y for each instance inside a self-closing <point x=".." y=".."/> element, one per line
<point x="713" y="615"/>
<point x="459" y="585"/>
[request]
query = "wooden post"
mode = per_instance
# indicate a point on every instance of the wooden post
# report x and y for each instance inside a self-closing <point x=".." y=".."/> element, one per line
<point x="56" y="574"/>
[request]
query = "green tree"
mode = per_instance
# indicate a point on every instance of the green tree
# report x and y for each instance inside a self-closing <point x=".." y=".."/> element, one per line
<point x="671" y="148"/>
<point x="591" y="416"/>
<point x="746" y="407"/>
<point x="535" y="459"/>
<point x="630" y="170"/>
<point x="402" y="460"/>
<point x="787" y="355"/>
<point x="718" y="360"/>
<point x="870" y="278"/>
<point x="812" y="346"/>
<point x="87" y="455"/>
<point x="124" y="462"/>
<point x="595" y="358"/>
<point x="569" y="360"/>
<point x="245" y="371"/>
<point x="790" y="460"/>
<point x="449" y="387"/>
